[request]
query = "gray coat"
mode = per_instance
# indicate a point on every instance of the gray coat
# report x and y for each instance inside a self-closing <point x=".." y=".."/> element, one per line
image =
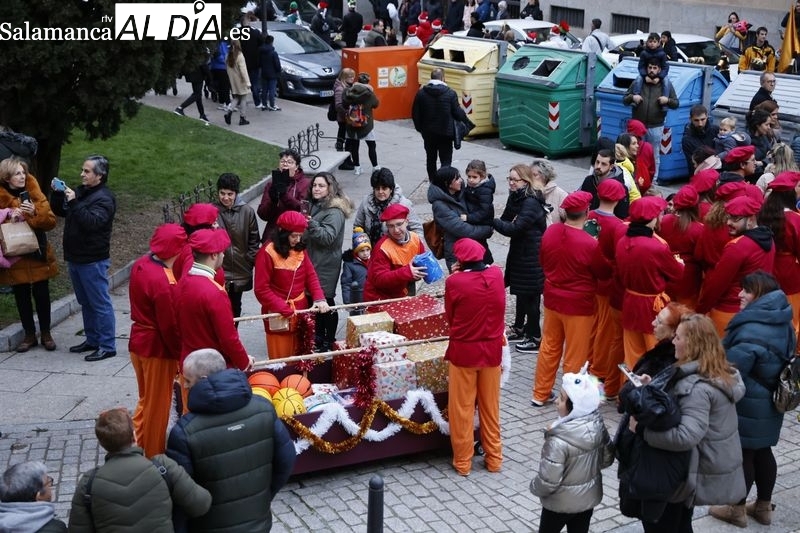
<point x="324" y="238"/>
<point x="709" y="427"/>
<point x="574" y="452"/>
<point x="368" y="214"/>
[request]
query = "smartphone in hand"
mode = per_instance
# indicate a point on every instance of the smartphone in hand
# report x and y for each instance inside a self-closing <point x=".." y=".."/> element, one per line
<point x="58" y="185"/>
<point x="24" y="196"/>
<point x="633" y="378"/>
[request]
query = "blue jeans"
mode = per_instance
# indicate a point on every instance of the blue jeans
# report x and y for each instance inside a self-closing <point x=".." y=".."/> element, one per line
<point x="269" y="90"/>
<point x="255" y="86"/>
<point x="654" y="137"/>
<point x="90" y="282"/>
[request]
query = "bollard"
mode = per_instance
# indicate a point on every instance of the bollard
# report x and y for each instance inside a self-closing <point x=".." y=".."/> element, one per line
<point x="375" y="505"/>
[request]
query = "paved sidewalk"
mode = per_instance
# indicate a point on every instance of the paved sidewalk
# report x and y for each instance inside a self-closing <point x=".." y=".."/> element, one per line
<point x="49" y="399"/>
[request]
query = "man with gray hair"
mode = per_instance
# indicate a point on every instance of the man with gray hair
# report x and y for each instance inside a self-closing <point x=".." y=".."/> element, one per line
<point x="25" y="493"/>
<point x="89" y="212"/>
<point x="596" y="41"/>
<point x="232" y="443"/>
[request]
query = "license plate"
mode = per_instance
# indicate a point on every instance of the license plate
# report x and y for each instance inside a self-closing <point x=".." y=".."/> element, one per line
<point x="323" y="94"/>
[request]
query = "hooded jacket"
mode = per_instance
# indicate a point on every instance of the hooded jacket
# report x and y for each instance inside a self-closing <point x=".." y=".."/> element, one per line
<point x="30" y="517"/>
<point x="649" y="111"/>
<point x="573" y="455"/>
<point x="324" y="238"/>
<point x="359" y="93"/>
<point x="435" y="109"/>
<point x="708" y="428"/>
<point x="447" y="211"/>
<point x="368" y="215"/>
<point x="242" y="227"/>
<point x="759" y="341"/>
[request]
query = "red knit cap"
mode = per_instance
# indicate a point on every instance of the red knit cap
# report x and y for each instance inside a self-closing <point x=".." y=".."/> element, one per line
<point x="468" y="250"/>
<point x="412" y="30"/>
<point x="743" y="206"/>
<point x="686" y="197"/>
<point x="704" y="180"/>
<point x="201" y="215"/>
<point x="436" y="24"/>
<point x="395" y="212"/>
<point x="292" y="221"/>
<point x="611" y="190"/>
<point x="577" y="202"/>
<point x="168" y="240"/>
<point x="647" y="208"/>
<point x="785" y="181"/>
<point x="209" y="241"/>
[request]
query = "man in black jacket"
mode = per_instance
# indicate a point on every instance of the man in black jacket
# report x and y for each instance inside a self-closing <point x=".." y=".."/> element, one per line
<point x="351" y="25"/>
<point x="435" y="111"/>
<point x="89" y="213"/>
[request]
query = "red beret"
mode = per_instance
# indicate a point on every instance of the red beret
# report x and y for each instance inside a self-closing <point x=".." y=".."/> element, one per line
<point x="740" y="154"/>
<point x="468" y="250"/>
<point x="785" y="181"/>
<point x="743" y="206"/>
<point x="647" y="208"/>
<point x="637" y="127"/>
<point x="201" y="215"/>
<point x="576" y="202"/>
<point x="704" y="180"/>
<point x="686" y="197"/>
<point x="209" y="241"/>
<point x="394" y="212"/>
<point x="611" y="190"/>
<point x="292" y="221"/>
<point x="728" y="191"/>
<point x="168" y="240"/>
<point x="753" y="192"/>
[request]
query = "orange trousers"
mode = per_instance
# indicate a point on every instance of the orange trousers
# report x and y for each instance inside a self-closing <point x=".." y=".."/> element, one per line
<point x="720" y="320"/>
<point x="608" y="348"/>
<point x="469" y="386"/>
<point x="562" y="335"/>
<point x="154" y="378"/>
<point x="281" y="343"/>
<point x="794" y="301"/>
<point x="635" y="345"/>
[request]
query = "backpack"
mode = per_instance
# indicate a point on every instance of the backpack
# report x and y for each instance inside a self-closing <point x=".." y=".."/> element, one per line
<point x="355" y="116"/>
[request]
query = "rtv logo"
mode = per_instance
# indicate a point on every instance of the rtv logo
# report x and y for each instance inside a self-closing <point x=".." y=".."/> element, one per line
<point x="184" y="22"/>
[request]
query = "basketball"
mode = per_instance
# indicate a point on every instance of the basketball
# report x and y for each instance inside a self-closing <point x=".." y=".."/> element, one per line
<point x="264" y="393"/>
<point x="288" y="402"/>
<point x="299" y="383"/>
<point x="265" y="380"/>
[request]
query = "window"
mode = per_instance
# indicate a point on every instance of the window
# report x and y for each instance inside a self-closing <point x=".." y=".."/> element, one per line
<point x="629" y="24"/>
<point x="574" y="17"/>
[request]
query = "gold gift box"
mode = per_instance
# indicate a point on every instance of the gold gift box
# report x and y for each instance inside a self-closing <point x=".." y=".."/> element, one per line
<point x="356" y="325"/>
<point x="432" y="369"/>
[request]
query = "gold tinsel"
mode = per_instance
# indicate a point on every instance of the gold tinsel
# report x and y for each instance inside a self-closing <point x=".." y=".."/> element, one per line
<point x="351" y="442"/>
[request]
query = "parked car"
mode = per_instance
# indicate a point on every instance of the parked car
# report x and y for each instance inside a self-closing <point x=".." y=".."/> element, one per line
<point x="525" y="30"/>
<point x="692" y="49"/>
<point x="309" y="64"/>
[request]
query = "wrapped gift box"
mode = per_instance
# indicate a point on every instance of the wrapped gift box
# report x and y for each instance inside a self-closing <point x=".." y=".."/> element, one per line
<point x="421" y="317"/>
<point x="383" y="341"/>
<point x="431" y="368"/>
<point x="393" y="380"/>
<point x="356" y="325"/>
<point x="344" y="371"/>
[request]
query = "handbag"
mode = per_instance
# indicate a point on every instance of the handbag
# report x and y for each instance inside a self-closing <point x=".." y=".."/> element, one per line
<point x="434" y="236"/>
<point x="17" y="238"/>
<point x="332" y="111"/>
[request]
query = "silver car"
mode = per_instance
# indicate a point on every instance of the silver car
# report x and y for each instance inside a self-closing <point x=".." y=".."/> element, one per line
<point x="309" y="64"/>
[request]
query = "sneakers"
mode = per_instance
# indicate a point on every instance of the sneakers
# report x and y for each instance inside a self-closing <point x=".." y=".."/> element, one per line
<point x="529" y="345"/>
<point x="243" y="121"/>
<point x="357" y="170"/>
<point x="262" y="107"/>
<point x="515" y="334"/>
<point x="179" y="111"/>
<point x="347" y="165"/>
<point x="222" y="107"/>
<point x="228" y="118"/>
<point x="204" y="119"/>
<point x="273" y="108"/>
<point x="550" y="399"/>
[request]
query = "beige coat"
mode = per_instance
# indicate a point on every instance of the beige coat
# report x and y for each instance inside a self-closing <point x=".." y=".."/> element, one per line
<point x="240" y="81"/>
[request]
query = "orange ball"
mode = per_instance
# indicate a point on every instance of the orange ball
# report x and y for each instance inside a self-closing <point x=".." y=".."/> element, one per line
<point x="265" y="380"/>
<point x="297" y="382"/>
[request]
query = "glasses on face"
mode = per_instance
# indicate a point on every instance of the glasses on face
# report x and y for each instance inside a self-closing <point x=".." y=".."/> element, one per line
<point x="50" y="482"/>
<point x="288" y="161"/>
<point x="514" y="180"/>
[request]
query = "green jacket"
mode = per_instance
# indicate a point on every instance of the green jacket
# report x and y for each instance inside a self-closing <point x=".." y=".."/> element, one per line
<point x="129" y="494"/>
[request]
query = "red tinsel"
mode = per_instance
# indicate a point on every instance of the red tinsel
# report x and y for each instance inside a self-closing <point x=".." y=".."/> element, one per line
<point x="306" y="326"/>
<point x="365" y="376"/>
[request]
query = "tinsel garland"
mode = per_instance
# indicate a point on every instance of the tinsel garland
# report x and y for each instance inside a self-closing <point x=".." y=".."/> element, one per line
<point x="306" y="327"/>
<point x="365" y="376"/>
<point x="399" y="420"/>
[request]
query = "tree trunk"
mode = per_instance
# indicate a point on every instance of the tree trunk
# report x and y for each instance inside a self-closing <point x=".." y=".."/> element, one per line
<point x="47" y="161"/>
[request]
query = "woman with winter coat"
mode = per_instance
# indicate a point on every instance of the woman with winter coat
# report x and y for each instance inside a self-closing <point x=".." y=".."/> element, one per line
<point x="240" y="82"/>
<point x="544" y="177"/>
<point x="447" y="200"/>
<point x="28" y="275"/>
<point x="759" y="341"/>
<point x="330" y="207"/>
<point x="384" y="193"/>
<point x="343" y="82"/>
<point x="524" y="220"/>
<point x="706" y="387"/>
<point x="360" y="94"/>
<point x="284" y="195"/>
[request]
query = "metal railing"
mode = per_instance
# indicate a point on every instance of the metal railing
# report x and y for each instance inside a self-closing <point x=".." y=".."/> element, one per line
<point x="174" y="209"/>
<point x="305" y="143"/>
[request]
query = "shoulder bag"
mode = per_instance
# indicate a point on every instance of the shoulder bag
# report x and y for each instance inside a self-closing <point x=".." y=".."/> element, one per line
<point x="434" y="236"/>
<point x="17" y="238"/>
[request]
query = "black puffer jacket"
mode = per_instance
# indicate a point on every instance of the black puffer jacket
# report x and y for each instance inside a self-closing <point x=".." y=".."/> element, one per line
<point x="447" y="211"/>
<point x="590" y="184"/>
<point x="435" y="109"/>
<point x="524" y="220"/>
<point x="87" y="228"/>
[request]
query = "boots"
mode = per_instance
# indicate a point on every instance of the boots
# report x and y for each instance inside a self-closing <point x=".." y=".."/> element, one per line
<point x="28" y="342"/>
<point x="48" y="342"/>
<point x="733" y="514"/>
<point x="243" y="121"/>
<point x="761" y="511"/>
<point x="339" y="145"/>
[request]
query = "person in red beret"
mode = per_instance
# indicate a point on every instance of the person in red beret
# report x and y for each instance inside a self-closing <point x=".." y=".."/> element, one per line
<point x="779" y="213"/>
<point x="197" y="216"/>
<point x="572" y="264"/>
<point x="475" y="304"/>
<point x="751" y="248"/>
<point x="391" y="272"/>
<point x="284" y="276"/>
<point x="645" y="266"/>
<point x="205" y="317"/>
<point x="739" y="164"/>
<point x="607" y="348"/>
<point x="704" y="182"/>
<point x="682" y="231"/>
<point x="645" y="169"/>
<point x="715" y="229"/>
<point x="154" y="347"/>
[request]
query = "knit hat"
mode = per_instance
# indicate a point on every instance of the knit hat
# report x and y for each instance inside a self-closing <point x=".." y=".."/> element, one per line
<point x="611" y="190"/>
<point x="436" y="25"/>
<point x="584" y="393"/>
<point x="637" y="127"/>
<point x="323" y="5"/>
<point x="423" y="17"/>
<point x="293" y="6"/>
<point x="209" y="241"/>
<point x="468" y="250"/>
<point x="201" y="215"/>
<point x="395" y="212"/>
<point x="556" y="30"/>
<point x="743" y="206"/>
<point x="360" y="240"/>
<point x="412" y="30"/>
<point x="647" y="208"/>
<point x="292" y="221"/>
<point x="351" y="4"/>
<point x="785" y="181"/>
<point x="704" y="180"/>
<point x="576" y="202"/>
<point x="686" y="197"/>
<point x="740" y="154"/>
<point x="168" y="240"/>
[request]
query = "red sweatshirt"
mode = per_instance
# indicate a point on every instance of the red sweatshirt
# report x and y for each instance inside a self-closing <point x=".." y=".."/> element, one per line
<point x="152" y="292"/>
<point x="787" y="268"/>
<point x="683" y="244"/>
<point x="389" y="271"/>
